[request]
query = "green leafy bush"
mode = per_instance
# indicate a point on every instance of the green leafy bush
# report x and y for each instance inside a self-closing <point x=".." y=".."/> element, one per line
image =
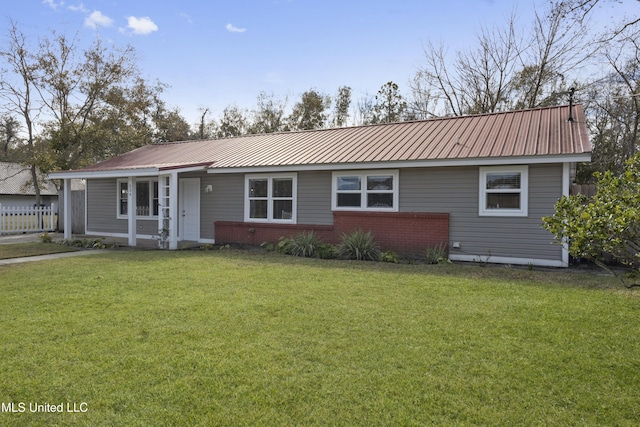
<point x="608" y="223"/>
<point x="87" y="243"/>
<point x="389" y="256"/>
<point x="46" y="238"/>
<point x="326" y="251"/>
<point x="437" y="254"/>
<point x="359" y="245"/>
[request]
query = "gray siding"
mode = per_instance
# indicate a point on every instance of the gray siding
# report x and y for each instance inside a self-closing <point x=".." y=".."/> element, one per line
<point x="452" y="190"/>
<point x="224" y="203"/>
<point x="314" y="198"/>
<point x="102" y="205"/>
<point x="455" y="191"/>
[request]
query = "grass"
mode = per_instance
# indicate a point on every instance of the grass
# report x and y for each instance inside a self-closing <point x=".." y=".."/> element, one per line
<point x="18" y="250"/>
<point x="233" y="338"/>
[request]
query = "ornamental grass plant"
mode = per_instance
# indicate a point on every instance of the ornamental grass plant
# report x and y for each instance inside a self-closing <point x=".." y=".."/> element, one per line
<point x="359" y="245"/>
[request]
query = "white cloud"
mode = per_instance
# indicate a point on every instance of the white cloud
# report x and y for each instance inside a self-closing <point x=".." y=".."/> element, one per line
<point x="52" y="4"/>
<point x="97" y="20"/>
<point x="233" y="29"/>
<point x="78" y="8"/>
<point x="143" y="25"/>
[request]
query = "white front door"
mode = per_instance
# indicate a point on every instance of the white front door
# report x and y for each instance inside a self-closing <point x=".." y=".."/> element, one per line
<point x="189" y="209"/>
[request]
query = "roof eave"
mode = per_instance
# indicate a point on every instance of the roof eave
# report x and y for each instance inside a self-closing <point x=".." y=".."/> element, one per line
<point x="119" y="173"/>
<point x="488" y="161"/>
<point x="113" y="173"/>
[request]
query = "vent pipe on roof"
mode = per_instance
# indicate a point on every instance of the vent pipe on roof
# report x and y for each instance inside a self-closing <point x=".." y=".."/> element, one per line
<point x="571" y="92"/>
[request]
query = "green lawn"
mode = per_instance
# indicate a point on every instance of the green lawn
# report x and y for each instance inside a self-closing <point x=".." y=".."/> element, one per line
<point x="17" y="250"/>
<point x="191" y="338"/>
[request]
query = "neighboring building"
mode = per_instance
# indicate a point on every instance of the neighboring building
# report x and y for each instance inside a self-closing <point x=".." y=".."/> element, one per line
<point x="479" y="183"/>
<point x="16" y="187"/>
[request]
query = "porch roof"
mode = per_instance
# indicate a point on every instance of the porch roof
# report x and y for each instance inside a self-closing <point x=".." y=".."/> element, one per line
<point x="534" y="135"/>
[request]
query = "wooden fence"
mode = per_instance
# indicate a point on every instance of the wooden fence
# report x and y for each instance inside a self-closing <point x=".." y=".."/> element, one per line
<point x="588" y="190"/>
<point x="24" y="219"/>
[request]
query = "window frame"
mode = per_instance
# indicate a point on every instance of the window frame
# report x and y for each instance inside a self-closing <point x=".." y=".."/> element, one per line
<point x="270" y="198"/>
<point x="150" y="182"/>
<point x="523" y="191"/>
<point x="364" y="192"/>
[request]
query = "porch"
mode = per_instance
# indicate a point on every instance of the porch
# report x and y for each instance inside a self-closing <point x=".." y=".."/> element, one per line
<point x="150" y="207"/>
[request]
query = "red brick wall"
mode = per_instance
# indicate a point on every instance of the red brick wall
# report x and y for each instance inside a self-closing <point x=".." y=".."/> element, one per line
<point x="402" y="232"/>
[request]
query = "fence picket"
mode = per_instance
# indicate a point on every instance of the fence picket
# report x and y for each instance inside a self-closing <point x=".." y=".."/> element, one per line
<point x="25" y="219"/>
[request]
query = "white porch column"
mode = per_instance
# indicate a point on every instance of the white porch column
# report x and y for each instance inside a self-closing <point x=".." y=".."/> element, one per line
<point x="68" y="214"/>
<point x="566" y="183"/>
<point x="173" y="208"/>
<point x="131" y="209"/>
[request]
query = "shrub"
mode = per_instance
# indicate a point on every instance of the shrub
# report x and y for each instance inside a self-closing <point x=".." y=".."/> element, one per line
<point x="437" y="254"/>
<point x="360" y="246"/>
<point x="87" y="244"/>
<point x="326" y="251"/>
<point x="305" y="244"/>
<point x="389" y="256"/>
<point x="46" y="238"/>
<point x="605" y="225"/>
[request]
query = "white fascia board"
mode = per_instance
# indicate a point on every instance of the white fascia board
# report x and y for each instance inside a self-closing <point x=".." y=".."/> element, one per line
<point x="488" y="161"/>
<point x="119" y="173"/>
<point x="169" y="171"/>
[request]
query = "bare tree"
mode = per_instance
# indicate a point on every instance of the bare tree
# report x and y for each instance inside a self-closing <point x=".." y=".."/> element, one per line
<point x="477" y="80"/>
<point x="556" y="48"/>
<point x="202" y="125"/>
<point x="365" y="113"/>
<point x="17" y="87"/>
<point x="509" y="68"/>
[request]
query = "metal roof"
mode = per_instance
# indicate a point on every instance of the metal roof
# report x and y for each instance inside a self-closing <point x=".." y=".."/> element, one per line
<point x="15" y="179"/>
<point x="525" y="133"/>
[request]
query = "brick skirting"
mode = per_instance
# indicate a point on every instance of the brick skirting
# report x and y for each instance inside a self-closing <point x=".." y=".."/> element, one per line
<point x="402" y="232"/>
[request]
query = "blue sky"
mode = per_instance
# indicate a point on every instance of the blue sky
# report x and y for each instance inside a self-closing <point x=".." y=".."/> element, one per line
<point x="216" y="53"/>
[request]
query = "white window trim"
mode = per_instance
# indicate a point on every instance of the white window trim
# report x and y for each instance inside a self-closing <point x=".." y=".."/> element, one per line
<point x="363" y="190"/>
<point x="124" y="181"/>
<point x="270" y="198"/>
<point x="523" y="170"/>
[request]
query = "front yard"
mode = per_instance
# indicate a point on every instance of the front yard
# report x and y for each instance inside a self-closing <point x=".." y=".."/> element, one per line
<point x="237" y="338"/>
<point x="18" y="250"/>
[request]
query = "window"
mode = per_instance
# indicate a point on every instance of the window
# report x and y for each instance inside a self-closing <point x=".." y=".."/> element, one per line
<point x="504" y="191"/>
<point x="270" y="198"/>
<point x="365" y="190"/>
<point x="146" y="198"/>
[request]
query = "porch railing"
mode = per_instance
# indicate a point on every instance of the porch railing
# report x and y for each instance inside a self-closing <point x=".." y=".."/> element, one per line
<point x="27" y="219"/>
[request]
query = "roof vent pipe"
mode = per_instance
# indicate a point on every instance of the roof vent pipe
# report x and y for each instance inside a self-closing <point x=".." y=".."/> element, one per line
<point x="571" y="92"/>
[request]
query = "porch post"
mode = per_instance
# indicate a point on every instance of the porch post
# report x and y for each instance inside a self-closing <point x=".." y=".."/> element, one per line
<point x="173" y="207"/>
<point x="68" y="214"/>
<point x="566" y="183"/>
<point x="131" y="209"/>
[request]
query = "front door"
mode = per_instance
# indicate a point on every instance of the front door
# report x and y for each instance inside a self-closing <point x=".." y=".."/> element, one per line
<point x="189" y="209"/>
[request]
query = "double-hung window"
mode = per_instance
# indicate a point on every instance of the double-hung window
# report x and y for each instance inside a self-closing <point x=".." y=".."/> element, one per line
<point x="365" y="190"/>
<point x="146" y="198"/>
<point x="504" y="191"/>
<point x="270" y="198"/>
